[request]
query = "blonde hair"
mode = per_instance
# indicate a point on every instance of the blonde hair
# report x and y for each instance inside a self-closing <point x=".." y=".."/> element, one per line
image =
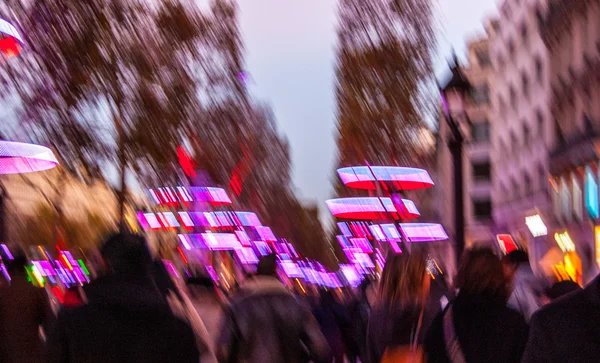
<point x="403" y="281"/>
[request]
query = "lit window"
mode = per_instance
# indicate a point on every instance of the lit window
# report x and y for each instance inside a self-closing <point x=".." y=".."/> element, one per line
<point x="577" y="197"/>
<point x="482" y="209"/>
<point x="591" y="193"/>
<point x="480" y="131"/>
<point x="482" y="171"/>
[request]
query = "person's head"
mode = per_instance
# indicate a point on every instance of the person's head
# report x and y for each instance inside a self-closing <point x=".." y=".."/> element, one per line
<point x="126" y="253"/>
<point x="267" y="266"/>
<point x="512" y="261"/>
<point x="404" y="281"/>
<point x="481" y="273"/>
<point x="559" y="289"/>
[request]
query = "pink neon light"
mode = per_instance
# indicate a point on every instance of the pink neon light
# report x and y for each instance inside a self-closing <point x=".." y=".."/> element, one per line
<point x="243" y="237"/>
<point x="184" y="241"/>
<point x="363" y="244"/>
<point x="423" y="232"/>
<point x="370" y="208"/>
<point x="262" y="247"/>
<point x="17" y="158"/>
<point x="246" y="255"/>
<point x="351" y="274"/>
<point x="377" y="232"/>
<point x="291" y="269"/>
<point x="221" y="241"/>
<point x="265" y="233"/>
<point x="399" y="178"/>
<point x="7" y="252"/>
<point x="214" y="196"/>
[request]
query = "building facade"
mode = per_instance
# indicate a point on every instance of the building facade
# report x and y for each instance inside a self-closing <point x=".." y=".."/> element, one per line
<point x="571" y="32"/>
<point x="523" y="128"/>
<point x="476" y="126"/>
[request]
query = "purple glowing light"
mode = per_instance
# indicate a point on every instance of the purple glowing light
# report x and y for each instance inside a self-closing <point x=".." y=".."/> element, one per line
<point x="399" y="178"/>
<point x="214" y="196"/>
<point x="362" y="244"/>
<point x="423" y="232"/>
<point x="265" y="233"/>
<point x="221" y="241"/>
<point x="371" y="208"/>
<point x="246" y="255"/>
<point x="18" y="157"/>
<point x="291" y="269"/>
<point x="7" y="252"/>
<point x="10" y="39"/>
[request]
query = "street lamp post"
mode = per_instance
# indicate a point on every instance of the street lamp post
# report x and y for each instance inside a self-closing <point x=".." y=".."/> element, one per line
<point x="454" y="95"/>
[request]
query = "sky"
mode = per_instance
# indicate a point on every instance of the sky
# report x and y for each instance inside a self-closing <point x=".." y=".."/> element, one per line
<point x="290" y="55"/>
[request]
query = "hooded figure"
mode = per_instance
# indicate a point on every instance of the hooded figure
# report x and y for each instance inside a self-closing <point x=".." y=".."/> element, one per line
<point x="125" y="319"/>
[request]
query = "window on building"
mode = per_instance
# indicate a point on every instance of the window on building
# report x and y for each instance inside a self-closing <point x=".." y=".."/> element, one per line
<point x="591" y="193"/>
<point x="513" y="98"/>
<point x="540" y="121"/>
<point x="483" y="58"/>
<point x="515" y="192"/>
<point x="526" y="134"/>
<point x="525" y="84"/>
<point x="527" y="185"/>
<point x="480" y="131"/>
<point x="482" y="171"/>
<point x="577" y="197"/>
<point x="513" y="141"/>
<point x="511" y="48"/>
<point x="524" y="34"/>
<point x="539" y="69"/>
<point x="481" y="94"/>
<point x="482" y="209"/>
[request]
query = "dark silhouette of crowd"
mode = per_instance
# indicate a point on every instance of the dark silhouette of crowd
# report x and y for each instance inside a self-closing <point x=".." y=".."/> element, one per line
<point x="495" y="310"/>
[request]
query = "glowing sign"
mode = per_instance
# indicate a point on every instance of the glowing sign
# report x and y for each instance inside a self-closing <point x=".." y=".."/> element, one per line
<point x="370" y="208"/>
<point x="363" y="244"/>
<point x="214" y="196"/>
<point x="423" y="232"/>
<point x="265" y="233"/>
<point x="400" y="178"/>
<point x="564" y="241"/>
<point x="536" y="225"/>
<point x="591" y="193"/>
<point x="506" y="243"/>
<point x="243" y="237"/>
<point x="351" y="274"/>
<point x="186" y="162"/>
<point x="221" y="241"/>
<point x="597" y="242"/>
<point x="17" y="158"/>
<point x="377" y="232"/>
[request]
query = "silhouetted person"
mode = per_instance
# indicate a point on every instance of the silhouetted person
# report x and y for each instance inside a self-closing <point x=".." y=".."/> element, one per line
<point x="335" y="325"/>
<point x="359" y="310"/>
<point x="125" y="319"/>
<point x="266" y="323"/>
<point x="567" y="330"/>
<point x="526" y="289"/>
<point x="558" y="290"/>
<point x="397" y="324"/>
<point x="23" y="309"/>
<point x="477" y="326"/>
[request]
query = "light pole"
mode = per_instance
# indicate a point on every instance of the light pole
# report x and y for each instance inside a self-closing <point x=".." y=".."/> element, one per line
<point x="454" y="97"/>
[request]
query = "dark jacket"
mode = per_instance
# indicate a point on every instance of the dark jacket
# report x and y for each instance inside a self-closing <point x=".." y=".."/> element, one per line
<point x="23" y="309"/>
<point x="487" y="331"/>
<point x="392" y="327"/>
<point x="125" y="320"/>
<point x="266" y="323"/>
<point x="568" y="329"/>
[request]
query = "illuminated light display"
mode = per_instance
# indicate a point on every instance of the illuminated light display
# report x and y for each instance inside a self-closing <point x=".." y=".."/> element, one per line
<point x="363" y="244"/>
<point x="291" y="269"/>
<point x="185" y="241"/>
<point x="390" y="232"/>
<point x="506" y="242"/>
<point x="591" y="194"/>
<point x="221" y="241"/>
<point x="265" y="233"/>
<point x="345" y="229"/>
<point x="343" y="241"/>
<point x="564" y="241"/>
<point x="423" y="232"/>
<point x="536" y="225"/>
<point x="400" y="178"/>
<point x="213" y="196"/>
<point x="7" y="252"/>
<point x="10" y="39"/>
<point x="371" y="208"/>
<point x="377" y="232"/>
<point x="246" y="255"/>
<point x="18" y="157"/>
<point x="395" y="247"/>
<point x="351" y="275"/>
<point x="263" y="248"/>
<point x="243" y="238"/>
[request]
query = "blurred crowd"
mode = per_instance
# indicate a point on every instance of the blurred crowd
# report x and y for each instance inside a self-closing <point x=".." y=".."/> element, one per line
<point x="495" y="310"/>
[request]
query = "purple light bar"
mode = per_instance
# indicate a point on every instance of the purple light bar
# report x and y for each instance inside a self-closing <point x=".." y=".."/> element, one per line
<point x="371" y="208"/>
<point x="400" y="178"/>
<point x="423" y="232"/>
<point x="246" y="255"/>
<point x="221" y="241"/>
<point x="363" y="244"/>
<point x="265" y="233"/>
<point x="291" y="269"/>
<point x="18" y="157"/>
<point x="262" y="247"/>
<point x="7" y="252"/>
<point x="214" y="196"/>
